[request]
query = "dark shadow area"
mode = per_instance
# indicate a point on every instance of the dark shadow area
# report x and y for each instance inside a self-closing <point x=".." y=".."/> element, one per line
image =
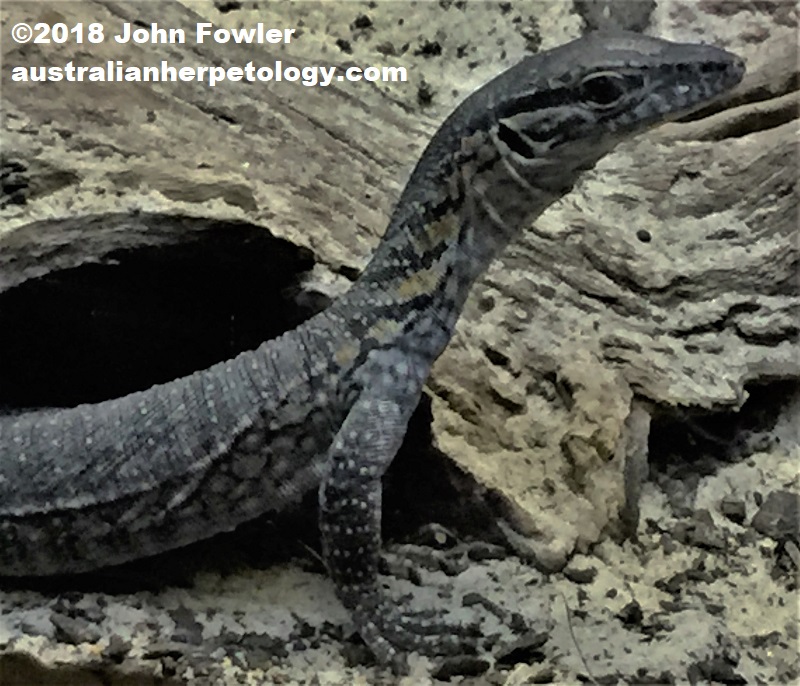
<point x="24" y="670"/>
<point x="193" y="293"/>
<point x="699" y="441"/>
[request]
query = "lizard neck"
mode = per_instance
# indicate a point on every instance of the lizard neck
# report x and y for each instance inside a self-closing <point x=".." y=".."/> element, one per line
<point x="458" y="211"/>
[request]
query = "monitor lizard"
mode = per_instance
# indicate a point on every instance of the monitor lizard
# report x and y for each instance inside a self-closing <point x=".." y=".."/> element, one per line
<point x="326" y="404"/>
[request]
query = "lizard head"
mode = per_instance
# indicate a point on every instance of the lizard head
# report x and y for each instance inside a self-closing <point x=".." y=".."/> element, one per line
<point x="571" y="105"/>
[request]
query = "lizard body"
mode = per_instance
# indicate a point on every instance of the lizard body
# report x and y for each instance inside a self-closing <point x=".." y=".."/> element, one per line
<point x="326" y="405"/>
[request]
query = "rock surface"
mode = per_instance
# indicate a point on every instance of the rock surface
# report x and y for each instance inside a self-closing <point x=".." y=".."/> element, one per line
<point x="594" y="342"/>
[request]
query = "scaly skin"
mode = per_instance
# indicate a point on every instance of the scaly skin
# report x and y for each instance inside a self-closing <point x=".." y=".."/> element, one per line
<point x="326" y="405"/>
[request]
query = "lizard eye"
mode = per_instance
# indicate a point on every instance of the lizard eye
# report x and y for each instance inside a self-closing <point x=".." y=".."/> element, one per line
<point x="602" y="90"/>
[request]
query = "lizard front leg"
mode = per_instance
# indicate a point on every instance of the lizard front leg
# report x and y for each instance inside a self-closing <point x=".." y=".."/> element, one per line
<point x="350" y="523"/>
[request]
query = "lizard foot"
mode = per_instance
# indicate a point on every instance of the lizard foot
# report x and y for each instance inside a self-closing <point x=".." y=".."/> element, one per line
<point x="392" y="634"/>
